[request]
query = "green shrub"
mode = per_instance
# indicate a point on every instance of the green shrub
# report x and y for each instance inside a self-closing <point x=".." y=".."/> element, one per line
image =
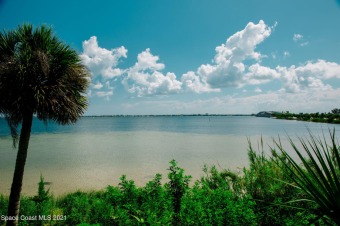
<point x="43" y="202"/>
<point x="205" y="206"/>
<point x="90" y="207"/>
<point x="125" y="201"/>
<point x="156" y="205"/>
<point x="27" y="208"/>
<point x="76" y="206"/>
<point x="266" y="183"/>
<point x="225" y="179"/>
<point x="177" y="186"/>
<point x="3" y="207"/>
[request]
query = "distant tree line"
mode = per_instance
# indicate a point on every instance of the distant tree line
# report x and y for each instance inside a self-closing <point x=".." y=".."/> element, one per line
<point x="331" y="117"/>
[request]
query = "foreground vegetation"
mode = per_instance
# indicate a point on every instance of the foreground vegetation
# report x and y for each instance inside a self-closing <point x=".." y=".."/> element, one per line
<point x="273" y="190"/>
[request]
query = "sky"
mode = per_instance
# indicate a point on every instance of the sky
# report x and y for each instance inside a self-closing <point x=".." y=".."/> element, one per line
<point x="197" y="56"/>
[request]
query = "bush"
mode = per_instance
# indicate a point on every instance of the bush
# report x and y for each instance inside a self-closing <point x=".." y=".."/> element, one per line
<point x="268" y="184"/>
<point x="3" y="207"/>
<point x="205" y="206"/>
<point x="177" y="186"/>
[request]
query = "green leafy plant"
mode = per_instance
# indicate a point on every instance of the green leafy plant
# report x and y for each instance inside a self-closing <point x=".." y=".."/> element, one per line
<point x="156" y="203"/>
<point x="177" y="186"/>
<point x="203" y="205"/>
<point x="266" y="182"/>
<point x="42" y="201"/>
<point x="76" y="207"/>
<point x="318" y="175"/>
<point x="3" y="210"/>
<point x="224" y="178"/>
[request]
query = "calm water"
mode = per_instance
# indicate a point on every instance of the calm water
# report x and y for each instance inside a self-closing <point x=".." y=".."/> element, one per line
<point x="95" y="152"/>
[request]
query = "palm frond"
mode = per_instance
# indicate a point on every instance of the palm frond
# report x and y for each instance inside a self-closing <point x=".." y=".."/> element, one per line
<point x="318" y="173"/>
<point x="40" y="74"/>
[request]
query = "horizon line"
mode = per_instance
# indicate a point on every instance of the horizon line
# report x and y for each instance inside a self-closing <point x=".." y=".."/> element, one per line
<point x="145" y="115"/>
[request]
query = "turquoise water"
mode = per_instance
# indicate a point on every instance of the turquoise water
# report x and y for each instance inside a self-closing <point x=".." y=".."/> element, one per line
<point x="95" y="152"/>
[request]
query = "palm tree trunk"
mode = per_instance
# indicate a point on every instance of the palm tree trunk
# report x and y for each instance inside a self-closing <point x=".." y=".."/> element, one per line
<point x="14" y="198"/>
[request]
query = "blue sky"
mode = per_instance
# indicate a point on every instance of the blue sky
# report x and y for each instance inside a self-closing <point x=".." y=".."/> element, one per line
<point x="197" y="56"/>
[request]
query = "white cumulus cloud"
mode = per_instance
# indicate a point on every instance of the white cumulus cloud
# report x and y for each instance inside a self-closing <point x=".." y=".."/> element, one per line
<point x="102" y="64"/>
<point x="101" y="61"/>
<point x="258" y="74"/>
<point x="194" y="83"/>
<point x="145" y="78"/>
<point x="308" y="76"/>
<point x="236" y="63"/>
<point x="228" y="68"/>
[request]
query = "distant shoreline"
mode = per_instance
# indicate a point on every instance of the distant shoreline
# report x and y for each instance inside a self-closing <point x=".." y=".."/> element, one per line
<point x="166" y="115"/>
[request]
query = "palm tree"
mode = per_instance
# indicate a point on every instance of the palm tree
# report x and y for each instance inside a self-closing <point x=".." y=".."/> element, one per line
<point x="39" y="76"/>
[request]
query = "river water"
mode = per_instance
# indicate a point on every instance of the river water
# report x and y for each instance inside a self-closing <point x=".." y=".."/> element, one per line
<point x="96" y="151"/>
